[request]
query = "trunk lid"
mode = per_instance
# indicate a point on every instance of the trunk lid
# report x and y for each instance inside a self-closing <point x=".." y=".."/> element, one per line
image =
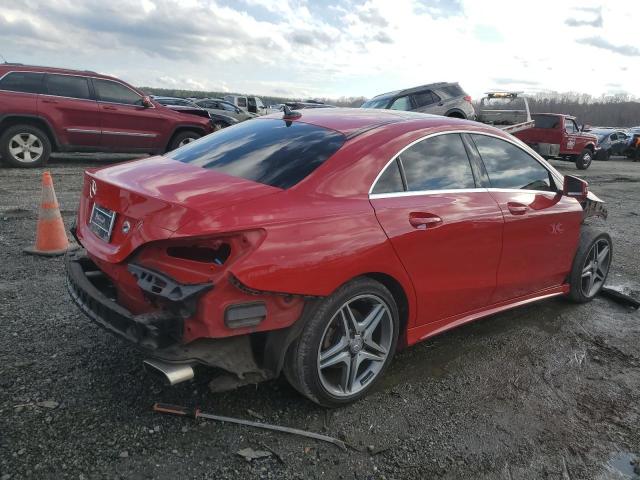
<point x="155" y="196"/>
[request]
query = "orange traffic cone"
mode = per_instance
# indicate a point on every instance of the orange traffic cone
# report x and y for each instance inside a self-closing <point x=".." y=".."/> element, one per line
<point x="51" y="237"/>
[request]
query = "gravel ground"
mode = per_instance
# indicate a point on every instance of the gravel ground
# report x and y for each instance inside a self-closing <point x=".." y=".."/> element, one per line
<point x="550" y="390"/>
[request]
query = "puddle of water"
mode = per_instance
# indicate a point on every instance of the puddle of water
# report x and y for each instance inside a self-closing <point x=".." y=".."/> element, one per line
<point x="626" y="464"/>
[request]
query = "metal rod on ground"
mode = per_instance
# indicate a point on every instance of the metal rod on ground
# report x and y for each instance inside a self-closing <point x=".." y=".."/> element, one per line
<point x="620" y="297"/>
<point x="196" y="413"/>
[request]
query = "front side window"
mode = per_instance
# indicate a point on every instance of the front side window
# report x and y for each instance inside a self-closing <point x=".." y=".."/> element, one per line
<point x="511" y="167"/>
<point x="437" y="163"/>
<point x="25" y="82"/>
<point x="114" y="92"/>
<point x="228" y="107"/>
<point x="269" y="151"/>
<point x="402" y="103"/>
<point x="569" y="126"/>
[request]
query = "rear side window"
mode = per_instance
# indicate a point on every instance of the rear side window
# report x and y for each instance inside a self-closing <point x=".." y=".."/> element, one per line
<point x="511" y="167"/>
<point x="273" y="152"/>
<point x="437" y="163"/>
<point x="68" y="86"/>
<point x="391" y="180"/>
<point x="114" y="92"/>
<point x="25" y="82"/>
<point x="546" y="121"/>
<point x="425" y="98"/>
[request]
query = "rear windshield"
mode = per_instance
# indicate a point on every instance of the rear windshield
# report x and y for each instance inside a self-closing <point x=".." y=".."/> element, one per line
<point x="269" y="151"/>
<point x="546" y="121"/>
<point x="502" y="103"/>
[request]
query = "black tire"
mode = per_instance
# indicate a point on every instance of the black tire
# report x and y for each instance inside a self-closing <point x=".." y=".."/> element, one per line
<point x="584" y="159"/>
<point x="182" y="138"/>
<point x="34" y="140"/>
<point x="589" y="236"/>
<point x="301" y="363"/>
<point x="604" y="155"/>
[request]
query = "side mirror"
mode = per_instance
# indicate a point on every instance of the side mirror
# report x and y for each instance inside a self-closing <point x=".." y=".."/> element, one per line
<point x="146" y="102"/>
<point x="575" y="187"/>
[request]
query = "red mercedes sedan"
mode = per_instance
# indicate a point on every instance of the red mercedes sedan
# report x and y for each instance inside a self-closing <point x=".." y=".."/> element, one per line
<point x="318" y="243"/>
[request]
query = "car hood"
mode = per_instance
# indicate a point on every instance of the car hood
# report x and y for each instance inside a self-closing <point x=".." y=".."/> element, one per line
<point x="156" y="196"/>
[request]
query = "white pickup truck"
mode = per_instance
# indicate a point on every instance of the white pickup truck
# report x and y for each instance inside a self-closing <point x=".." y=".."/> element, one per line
<point x="508" y="111"/>
<point x="249" y="104"/>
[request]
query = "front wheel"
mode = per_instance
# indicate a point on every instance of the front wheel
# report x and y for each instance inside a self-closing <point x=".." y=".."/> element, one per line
<point x="346" y="344"/>
<point x="584" y="159"/>
<point x="590" y="265"/>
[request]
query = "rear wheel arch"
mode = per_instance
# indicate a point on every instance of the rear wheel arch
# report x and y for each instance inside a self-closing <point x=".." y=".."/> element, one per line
<point x="401" y="298"/>
<point x="455" y="114"/>
<point x="33" y="121"/>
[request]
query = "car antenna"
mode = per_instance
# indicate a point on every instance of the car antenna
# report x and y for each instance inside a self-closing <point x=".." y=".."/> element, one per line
<point x="289" y="114"/>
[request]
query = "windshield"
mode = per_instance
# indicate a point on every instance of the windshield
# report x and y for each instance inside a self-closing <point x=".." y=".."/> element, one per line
<point x="269" y="151"/>
<point x="380" y="102"/>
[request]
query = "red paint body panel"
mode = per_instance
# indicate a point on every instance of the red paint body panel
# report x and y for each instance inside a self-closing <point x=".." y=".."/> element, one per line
<point x="538" y="245"/>
<point x="324" y="231"/>
<point x="453" y="265"/>
<point x="570" y="143"/>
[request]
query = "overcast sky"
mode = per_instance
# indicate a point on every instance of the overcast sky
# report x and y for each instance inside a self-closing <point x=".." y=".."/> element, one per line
<point x="334" y="48"/>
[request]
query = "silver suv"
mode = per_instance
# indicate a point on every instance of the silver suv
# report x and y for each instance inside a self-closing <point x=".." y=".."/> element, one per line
<point x="444" y="98"/>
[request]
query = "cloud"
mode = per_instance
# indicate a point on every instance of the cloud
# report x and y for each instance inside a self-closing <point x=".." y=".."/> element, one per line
<point x="439" y="8"/>
<point x="596" y="22"/>
<point x="599" y="42"/>
<point x="382" y="37"/>
<point x="514" y="81"/>
<point x="312" y="38"/>
<point x="371" y="16"/>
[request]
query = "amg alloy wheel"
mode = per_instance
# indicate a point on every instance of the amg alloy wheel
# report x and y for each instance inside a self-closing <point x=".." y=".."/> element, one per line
<point x="355" y="345"/>
<point x="346" y="344"/>
<point x="591" y="264"/>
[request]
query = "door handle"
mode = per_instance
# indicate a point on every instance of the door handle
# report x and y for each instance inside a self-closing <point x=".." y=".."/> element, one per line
<point x="424" y="220"/>
<point x="517" y="208"/>
<point x="49" y="100"/>
<point x="108" y="107"/>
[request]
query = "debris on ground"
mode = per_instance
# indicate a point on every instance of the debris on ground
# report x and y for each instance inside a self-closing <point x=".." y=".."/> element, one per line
<point x="250" y="454"/>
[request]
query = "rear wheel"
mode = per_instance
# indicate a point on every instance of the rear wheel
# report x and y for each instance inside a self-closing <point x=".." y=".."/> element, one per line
<point x="584" y="159"/>
<point x="590" y="265"/>
<point x="183" y="138"/>
<point x="25" y="146"/>
<point x="346" y="345"/>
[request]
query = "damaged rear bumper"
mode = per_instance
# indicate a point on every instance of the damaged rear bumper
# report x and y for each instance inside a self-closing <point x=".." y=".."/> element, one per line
<point x="94" y="294"/>
<point x="159" y="333"/>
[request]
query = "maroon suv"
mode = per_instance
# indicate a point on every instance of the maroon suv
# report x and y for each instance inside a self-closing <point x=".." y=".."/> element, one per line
<point x="50" y="109"/>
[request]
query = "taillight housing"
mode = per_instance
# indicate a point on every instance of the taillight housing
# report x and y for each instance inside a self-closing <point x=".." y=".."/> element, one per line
<point x="198" y="259"/>
<point x="467" y="98"/>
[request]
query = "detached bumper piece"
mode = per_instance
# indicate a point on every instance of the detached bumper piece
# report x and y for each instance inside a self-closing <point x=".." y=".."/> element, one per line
<point x="159" y="285"/>
<point x="95" y="295"/>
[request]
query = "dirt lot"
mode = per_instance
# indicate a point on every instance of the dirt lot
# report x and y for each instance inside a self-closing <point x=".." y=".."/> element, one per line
<point x="551" y="390"/>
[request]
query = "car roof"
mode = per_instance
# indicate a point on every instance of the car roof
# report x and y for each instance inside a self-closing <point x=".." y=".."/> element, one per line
<point x="19" y="67"/>
<point x="407" y="91"/>
<point x="353" y="121"/>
